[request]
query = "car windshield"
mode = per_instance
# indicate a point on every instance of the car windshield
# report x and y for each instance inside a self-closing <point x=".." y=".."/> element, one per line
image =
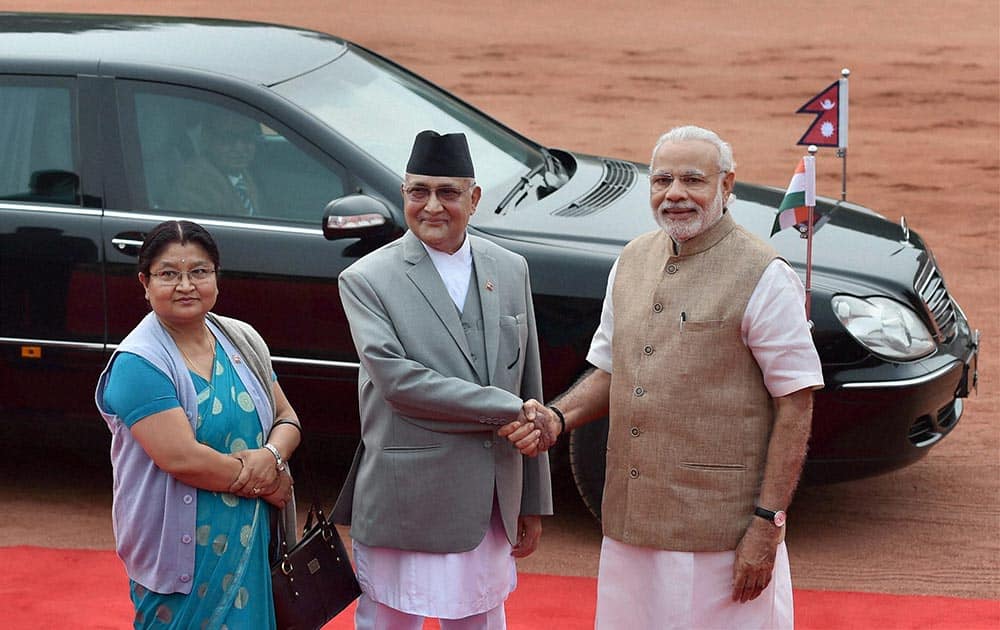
<point x="381" y="108"/>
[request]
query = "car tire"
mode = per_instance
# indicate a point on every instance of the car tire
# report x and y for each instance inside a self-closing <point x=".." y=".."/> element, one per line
<point x="588" y="447"/>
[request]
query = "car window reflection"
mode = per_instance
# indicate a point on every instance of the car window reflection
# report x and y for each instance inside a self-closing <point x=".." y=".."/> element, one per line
<point x="36" y="133"/>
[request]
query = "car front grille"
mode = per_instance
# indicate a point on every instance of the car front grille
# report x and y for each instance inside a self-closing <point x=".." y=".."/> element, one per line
<point x="922" y="432"/>
<point x="927" y="430"/>
<point x="618" y="178"/>
<point x="929" y="285"/>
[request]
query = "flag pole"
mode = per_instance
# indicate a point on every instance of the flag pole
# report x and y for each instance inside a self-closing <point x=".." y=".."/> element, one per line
<point x="810" y="162"/>
<point x="842" y="131"/>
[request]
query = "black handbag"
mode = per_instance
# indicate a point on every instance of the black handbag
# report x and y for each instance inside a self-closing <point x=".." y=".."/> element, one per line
<point x="312" y="581"/>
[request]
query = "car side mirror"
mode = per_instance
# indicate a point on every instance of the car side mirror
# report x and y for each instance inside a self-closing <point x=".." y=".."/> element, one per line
<point x="357" y="216"/>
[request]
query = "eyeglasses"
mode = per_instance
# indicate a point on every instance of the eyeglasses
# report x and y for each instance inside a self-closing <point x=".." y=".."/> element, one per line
<point x="445" y="194"/>
<point x="173" y="277"/>
<point x="693" y="181"/>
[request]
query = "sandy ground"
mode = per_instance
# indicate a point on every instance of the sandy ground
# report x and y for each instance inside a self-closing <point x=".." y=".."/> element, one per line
<point x="607" y="78"/>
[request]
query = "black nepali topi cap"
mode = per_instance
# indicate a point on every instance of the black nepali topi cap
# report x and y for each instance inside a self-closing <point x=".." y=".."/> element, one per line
<point x="440" y="155"/>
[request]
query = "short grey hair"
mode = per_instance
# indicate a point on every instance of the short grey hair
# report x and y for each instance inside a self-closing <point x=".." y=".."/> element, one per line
<point x="691" y="132"/>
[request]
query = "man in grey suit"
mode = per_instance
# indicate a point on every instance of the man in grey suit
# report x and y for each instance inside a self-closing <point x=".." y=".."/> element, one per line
<point x="443" y="323"/>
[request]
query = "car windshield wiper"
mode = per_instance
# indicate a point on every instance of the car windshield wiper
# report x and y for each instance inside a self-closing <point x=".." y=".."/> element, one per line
<point x="520" y="187"/>
<point x="553" y="176"/>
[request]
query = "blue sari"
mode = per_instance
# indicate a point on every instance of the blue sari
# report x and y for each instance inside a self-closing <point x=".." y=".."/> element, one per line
<point x="232" y="579"/>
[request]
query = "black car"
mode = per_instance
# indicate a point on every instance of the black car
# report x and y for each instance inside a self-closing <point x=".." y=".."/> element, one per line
<point x="100" y="116"/>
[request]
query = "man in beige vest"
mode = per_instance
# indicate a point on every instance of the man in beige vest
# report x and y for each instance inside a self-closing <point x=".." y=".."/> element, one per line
<point x="705" y="367"/>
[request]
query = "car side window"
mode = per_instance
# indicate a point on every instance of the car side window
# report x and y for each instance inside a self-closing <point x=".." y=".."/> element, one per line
<point x="37" y="142"/>
<point x="206" y="156"/>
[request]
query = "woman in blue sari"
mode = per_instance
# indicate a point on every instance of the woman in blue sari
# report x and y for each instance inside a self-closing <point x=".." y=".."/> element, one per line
<point x="201" y="431"/>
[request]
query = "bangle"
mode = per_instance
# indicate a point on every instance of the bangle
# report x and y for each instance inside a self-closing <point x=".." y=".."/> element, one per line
<point x="242" y="465"/>
<point x="287" y="421"/>
<point x="562" y="418"/>
<point x="278" y="462"/>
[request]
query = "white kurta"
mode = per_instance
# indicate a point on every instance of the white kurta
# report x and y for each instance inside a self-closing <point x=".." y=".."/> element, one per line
<point x="443" y="585"/>
<point x="694" y="589"/>
<point x="454" y="269"/>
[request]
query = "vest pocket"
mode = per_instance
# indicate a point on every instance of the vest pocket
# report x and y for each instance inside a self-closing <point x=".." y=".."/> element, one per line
<point x="713" y="467"/>
<point x="705" y="325"/>
<point x="715" y="499"/>
<point x="702" y="345"/>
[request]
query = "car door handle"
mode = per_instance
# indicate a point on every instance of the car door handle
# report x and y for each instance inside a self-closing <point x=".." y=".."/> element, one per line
<point x="128" y="243"/>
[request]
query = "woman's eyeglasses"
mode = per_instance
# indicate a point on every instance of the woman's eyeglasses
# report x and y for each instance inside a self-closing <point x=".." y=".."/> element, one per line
<point x="196" y="276"/>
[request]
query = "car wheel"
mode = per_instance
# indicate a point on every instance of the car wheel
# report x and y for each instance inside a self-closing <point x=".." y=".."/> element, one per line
<point x="587" y="456"/>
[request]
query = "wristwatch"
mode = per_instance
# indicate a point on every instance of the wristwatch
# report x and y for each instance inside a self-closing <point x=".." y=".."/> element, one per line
<point x="280" y="463"/>
<point x="778" y="518"/>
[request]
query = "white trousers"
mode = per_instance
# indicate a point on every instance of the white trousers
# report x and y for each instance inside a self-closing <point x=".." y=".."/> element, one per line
<point x="371" y="615"/>
<point x="649" y="589"/>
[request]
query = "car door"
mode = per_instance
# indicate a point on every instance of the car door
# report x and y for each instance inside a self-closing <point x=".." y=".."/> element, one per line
<point x="277" y="271"/>
<point x="52" y="308"/>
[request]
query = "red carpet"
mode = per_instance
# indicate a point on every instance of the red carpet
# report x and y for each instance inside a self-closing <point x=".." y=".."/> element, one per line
<point x="71" y="588"/>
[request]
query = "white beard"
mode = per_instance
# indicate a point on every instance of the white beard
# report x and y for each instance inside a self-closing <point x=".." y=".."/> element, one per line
<point x="684" y="229"/>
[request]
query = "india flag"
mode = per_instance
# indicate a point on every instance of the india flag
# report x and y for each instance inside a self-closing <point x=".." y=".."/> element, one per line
<point x="801" y="194"/>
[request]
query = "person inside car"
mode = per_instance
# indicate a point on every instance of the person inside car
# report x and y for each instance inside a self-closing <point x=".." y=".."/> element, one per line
<point x="219" y="180"/>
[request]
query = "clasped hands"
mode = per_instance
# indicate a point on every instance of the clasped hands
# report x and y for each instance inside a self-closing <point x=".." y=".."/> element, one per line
<point x="535" y="431"/>
<point x="260" y="478"/>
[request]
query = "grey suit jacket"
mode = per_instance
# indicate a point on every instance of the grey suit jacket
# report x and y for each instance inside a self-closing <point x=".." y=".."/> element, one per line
<point x="424" y="475"/>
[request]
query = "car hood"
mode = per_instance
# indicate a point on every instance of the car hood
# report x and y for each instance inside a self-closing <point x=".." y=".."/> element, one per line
<point x="606" y="204"/>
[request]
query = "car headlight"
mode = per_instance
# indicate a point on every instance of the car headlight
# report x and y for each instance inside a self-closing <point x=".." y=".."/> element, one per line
<point x="884" y="326"/>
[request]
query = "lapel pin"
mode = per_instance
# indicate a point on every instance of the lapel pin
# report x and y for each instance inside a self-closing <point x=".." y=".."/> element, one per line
<point x="489" y="285"/>
<point x="237" y="359"/>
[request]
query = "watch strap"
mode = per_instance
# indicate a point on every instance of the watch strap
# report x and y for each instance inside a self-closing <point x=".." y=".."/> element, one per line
<point x="767" y="515"/>
<point x="777" y="518"/>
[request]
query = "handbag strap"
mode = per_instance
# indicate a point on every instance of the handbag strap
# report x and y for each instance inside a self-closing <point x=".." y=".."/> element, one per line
<point x="315" y="513"/>
<point x="312" y="491"/>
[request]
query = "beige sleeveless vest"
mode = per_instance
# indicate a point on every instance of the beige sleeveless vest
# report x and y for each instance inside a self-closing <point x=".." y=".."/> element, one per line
<point x="690" y="416"/>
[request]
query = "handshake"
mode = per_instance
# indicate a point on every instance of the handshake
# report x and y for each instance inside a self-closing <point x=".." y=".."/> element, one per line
<point x="536" y="429"/>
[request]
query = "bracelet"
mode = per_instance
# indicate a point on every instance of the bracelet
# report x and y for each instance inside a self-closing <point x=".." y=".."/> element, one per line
<point x="278" y="462"/>
<point x="287" y="421"/>
<point x="562" y="418"/>
<point x="242" y="465"/>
